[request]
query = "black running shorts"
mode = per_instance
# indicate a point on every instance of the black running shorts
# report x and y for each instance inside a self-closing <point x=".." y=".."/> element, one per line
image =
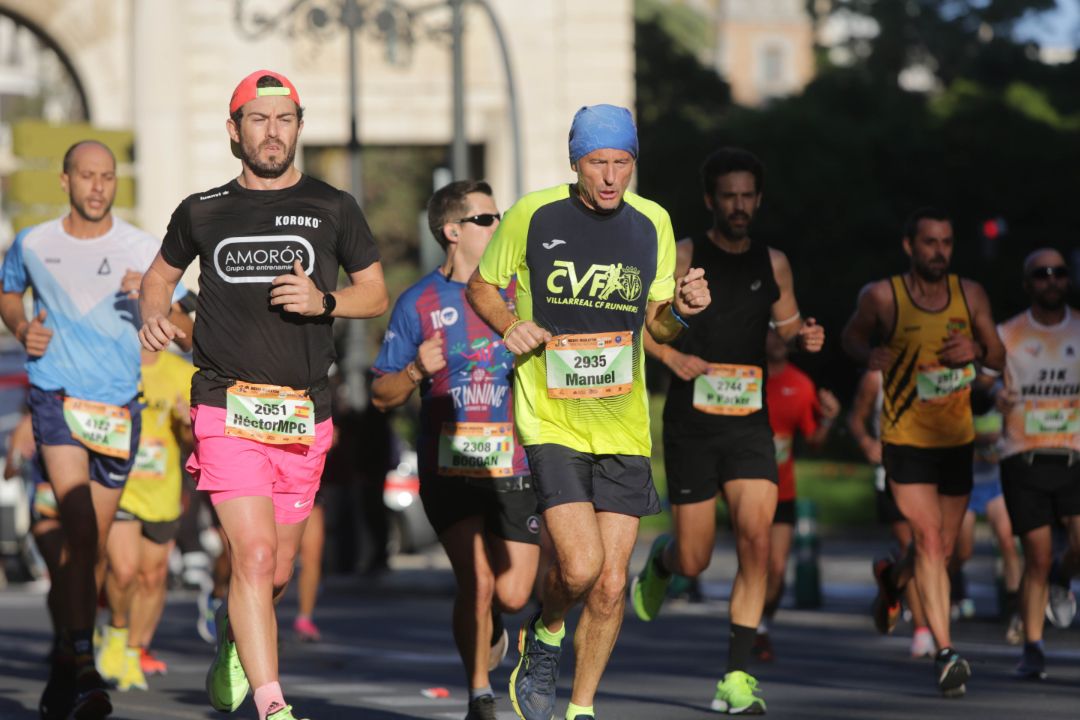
<point x="1039" y="490"/>
<point x="612" y="483"/>
<point x="699" y="462"/>
<point x="950" y="468"/>
<point x="510" y="513"/>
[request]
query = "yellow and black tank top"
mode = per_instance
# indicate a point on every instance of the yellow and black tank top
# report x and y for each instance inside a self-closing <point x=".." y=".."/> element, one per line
<point x="926" y="404"/>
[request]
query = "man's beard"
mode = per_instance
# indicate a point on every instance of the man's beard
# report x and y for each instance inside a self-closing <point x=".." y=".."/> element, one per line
<point x="726" y="229"/>
<point x="267" y="170"/>
<point x="933" y="273"/>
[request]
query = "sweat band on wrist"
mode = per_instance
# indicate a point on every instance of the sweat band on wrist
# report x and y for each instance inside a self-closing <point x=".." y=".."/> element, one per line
<point x="675" y="314"/>
<point x="510" y="329"/>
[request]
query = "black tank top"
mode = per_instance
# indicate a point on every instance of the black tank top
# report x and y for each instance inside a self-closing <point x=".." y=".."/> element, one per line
<point x="731" y="330"/>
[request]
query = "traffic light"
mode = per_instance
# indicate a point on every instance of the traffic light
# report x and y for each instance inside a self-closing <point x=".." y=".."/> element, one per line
<point x="994" y="228"/>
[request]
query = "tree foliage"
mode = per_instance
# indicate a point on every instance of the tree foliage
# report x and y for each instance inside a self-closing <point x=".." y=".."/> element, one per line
<point x="848" y="158"/>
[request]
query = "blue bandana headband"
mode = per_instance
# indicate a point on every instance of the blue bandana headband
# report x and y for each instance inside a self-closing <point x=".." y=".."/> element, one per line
<point x="598" y="127"/>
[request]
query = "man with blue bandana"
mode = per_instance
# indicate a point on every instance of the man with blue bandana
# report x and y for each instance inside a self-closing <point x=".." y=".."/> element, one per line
<point x="594" y="266"/>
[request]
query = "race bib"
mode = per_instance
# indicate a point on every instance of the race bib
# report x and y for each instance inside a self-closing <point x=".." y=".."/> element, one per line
<point x="934" y="382"/>
<point x="783" y="448"/>
<point x="103" y="428"/>
<point x="590" y="366"/>
<point x="1052" y="417"/>
<point x="271" y="414"/>
<point x="728" y="389"/>
<point x="151" y="461"/>
<point x="476" y="449"/>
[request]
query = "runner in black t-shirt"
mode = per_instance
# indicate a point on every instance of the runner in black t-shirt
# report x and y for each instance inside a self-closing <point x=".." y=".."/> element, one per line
<point x="269" y="245"/>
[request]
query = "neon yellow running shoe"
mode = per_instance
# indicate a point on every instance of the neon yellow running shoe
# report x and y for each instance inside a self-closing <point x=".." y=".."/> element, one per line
<point x="110" y="659"/>
<point x="226" y="683"/>
<point x="736" y="695"/>
<point x="648" y="589"/>
<point x="132" y="677"/>
<point x="284" y="714"/>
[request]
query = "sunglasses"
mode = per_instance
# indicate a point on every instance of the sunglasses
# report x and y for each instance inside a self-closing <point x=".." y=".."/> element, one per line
<point x="483" y="219"/>
<point x="1046" y="272"/>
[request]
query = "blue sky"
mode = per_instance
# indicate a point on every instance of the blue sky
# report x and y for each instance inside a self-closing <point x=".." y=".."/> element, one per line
<point x="1057" y="28"/>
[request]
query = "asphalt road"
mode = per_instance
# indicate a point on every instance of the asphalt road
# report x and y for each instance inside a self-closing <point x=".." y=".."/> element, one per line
<point x="386" y="641"/>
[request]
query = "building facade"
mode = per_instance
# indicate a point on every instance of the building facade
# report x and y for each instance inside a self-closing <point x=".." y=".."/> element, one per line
<point x="165" y="70"/>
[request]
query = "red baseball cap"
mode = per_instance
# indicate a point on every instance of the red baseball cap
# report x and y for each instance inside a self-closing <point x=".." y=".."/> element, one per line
<point x="248" y="89"/>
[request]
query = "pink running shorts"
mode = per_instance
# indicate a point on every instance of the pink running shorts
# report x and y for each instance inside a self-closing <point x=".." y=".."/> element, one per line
<point x="230" y="467"/>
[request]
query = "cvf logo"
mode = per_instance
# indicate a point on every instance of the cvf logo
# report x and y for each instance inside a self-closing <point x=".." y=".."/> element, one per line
<point x="444" y="317"/>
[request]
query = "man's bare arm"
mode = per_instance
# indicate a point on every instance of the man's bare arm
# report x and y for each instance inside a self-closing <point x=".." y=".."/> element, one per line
<point x="155" y="301"/>
<point x="520" y="336"/>
<point x="873" y="311"/>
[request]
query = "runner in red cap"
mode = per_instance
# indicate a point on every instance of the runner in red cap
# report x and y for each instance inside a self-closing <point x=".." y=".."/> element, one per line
<point x="270" y="243"/>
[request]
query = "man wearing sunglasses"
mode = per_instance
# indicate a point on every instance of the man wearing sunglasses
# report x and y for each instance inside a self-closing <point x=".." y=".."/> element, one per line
<point x="474" y="478"/>
<point x="1040" y="472"/>
<point x="936" y="330"/>
<point x="595" y="268"/>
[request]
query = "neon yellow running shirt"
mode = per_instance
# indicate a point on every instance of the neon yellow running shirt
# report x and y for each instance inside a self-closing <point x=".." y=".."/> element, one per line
<point x="586" y="278"/>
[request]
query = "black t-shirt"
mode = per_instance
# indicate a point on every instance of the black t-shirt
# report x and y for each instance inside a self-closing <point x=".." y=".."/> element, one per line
<point x="244" y="239"/>
<point x="731" y="330"/>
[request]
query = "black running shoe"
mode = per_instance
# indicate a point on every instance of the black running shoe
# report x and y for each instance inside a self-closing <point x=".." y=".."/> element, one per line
<point x="91" y="696"/>
<point x="482" y="708"/>
<point x="1032" y="664"/>
<point x="952" y="672"/>
<point x="59" y="693"/>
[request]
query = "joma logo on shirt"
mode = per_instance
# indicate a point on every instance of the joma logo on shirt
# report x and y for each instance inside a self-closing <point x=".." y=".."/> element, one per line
<point x="602" y="280"/>
<point x="298" y="220"/>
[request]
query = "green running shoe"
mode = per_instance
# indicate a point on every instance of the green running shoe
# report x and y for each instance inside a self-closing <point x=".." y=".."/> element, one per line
<point x="284" y="713"/>
<point x="226" y="683"/>
<point x="735" y="695"/>
<point x="648" y="589"/>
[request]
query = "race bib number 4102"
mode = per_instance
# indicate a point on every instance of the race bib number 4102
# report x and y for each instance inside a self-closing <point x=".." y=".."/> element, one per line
<point x="270" y="414"/>
<point x="103" y="428"/>
<point x="590" y="366"/>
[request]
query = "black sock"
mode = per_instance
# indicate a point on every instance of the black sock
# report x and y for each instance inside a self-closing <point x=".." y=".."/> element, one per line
<point x="82" y="644"/>
<point x="944" y="652"/>
<point x="740" y="643"/>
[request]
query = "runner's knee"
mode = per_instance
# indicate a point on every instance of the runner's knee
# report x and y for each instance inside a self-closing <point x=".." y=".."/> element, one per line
<point x="580" y="574"/>
<point x="256" y="558"/>
<point x="693" y="558"/>
<point x="513" y="596"/>
<point x="609" y="589"/>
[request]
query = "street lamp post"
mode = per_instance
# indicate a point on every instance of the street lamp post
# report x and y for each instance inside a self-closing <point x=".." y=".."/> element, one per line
<point x="392" y="22"/>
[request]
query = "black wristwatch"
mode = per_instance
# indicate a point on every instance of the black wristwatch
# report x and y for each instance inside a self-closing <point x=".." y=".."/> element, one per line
<point x="329" y="302"/>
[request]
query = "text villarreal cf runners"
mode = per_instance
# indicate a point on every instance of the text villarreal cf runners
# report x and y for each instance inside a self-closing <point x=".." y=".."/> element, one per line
<point x="649" y="587"/>
<point x="226" y="683"/>
<point x="736" y="695"/>
<point x="532" y="684"/>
